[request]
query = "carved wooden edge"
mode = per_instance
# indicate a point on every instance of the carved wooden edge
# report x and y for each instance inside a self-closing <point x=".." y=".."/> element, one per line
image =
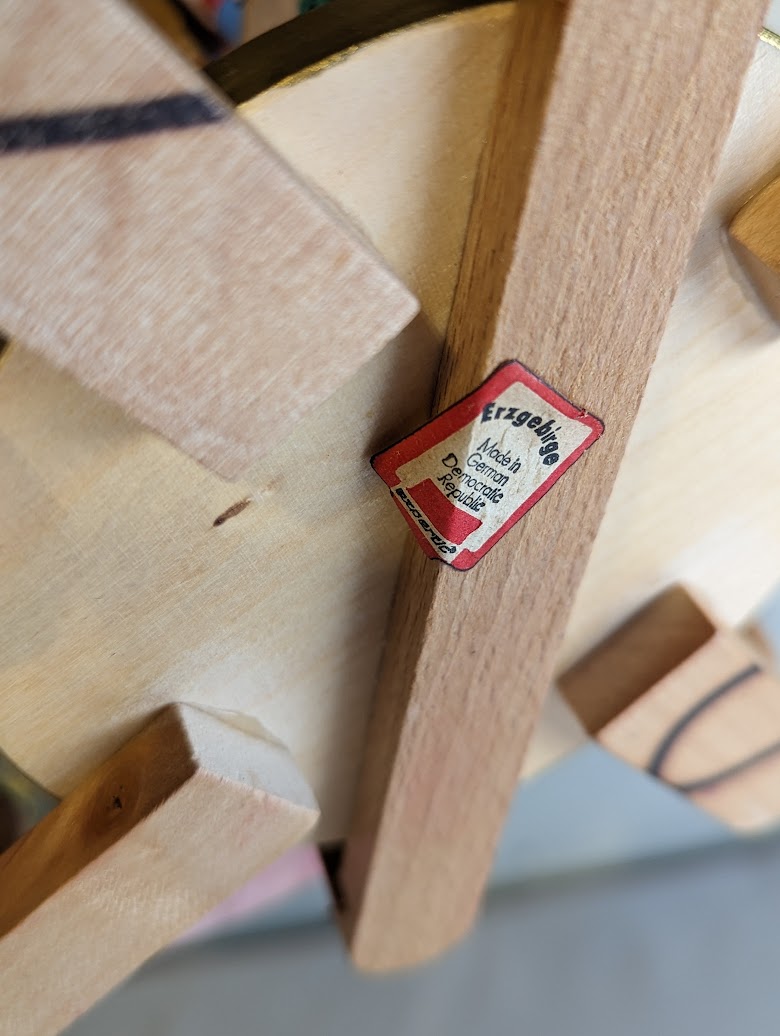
<point x="657" y="639"/>
<point x="755" y="240"/>
<point x="300" y="45"/>
<point x="181" y="816"/>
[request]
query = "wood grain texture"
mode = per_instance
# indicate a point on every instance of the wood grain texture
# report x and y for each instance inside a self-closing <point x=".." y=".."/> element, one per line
<point x="588" y="198"/>
<point x="755" y="233"/>
<point x="691" y="702"/>
<point x="121" y="230"/>
<point x="118" y="592"/>
<point x="164" y="830"/>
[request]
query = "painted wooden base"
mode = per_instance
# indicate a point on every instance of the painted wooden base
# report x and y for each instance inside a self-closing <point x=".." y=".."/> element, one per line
<point x="164" y="830"/>
<point x="692" y="703"/>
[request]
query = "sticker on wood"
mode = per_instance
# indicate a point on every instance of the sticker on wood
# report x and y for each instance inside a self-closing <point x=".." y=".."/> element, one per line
<point x="466" y="477"/>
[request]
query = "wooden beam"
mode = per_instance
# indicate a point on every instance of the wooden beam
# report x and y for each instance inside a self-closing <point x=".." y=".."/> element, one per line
<point x="159" y="834"/>
<point x="755" y="237"/>
<point x="675" y="693"/>
<point x="102" y="518"/>
<point x="136" y="209"/>
<point x="604" y="146"/>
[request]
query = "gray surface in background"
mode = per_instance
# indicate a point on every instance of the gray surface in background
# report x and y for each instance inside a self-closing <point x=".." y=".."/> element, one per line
<point x="589" y="811"/>
<point x="684" y="947"/>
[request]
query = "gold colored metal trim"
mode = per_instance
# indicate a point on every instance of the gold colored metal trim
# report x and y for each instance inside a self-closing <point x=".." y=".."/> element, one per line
<point x="770" y="37"/>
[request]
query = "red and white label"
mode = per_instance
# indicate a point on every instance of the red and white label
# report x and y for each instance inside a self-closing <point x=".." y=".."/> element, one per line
<point x="464" y="479"/>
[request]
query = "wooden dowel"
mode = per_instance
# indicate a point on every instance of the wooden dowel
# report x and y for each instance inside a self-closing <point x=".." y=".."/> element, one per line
<point x="603" y="148"/>
<point x="159" y="834"/>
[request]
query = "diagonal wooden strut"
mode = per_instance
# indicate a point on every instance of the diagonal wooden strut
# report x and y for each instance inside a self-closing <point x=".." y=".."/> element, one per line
<point x="604" y="145"/>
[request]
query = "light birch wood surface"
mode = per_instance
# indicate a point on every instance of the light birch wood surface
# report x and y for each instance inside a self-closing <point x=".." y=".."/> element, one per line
<point x="118" y="592"/>
<point x="674" y="693"/>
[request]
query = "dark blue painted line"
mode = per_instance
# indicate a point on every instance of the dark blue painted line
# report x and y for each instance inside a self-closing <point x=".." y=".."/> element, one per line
<point x="107" y="123"/>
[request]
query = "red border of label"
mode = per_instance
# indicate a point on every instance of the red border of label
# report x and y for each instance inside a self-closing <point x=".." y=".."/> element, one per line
<point x="466" y="410"/>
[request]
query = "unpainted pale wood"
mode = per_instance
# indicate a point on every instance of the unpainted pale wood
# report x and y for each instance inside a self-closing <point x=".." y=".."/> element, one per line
<point x="184" y="273"/>
<point x="119" y="594"/>
<point x="160" y="833"/>
<point x="603" y="147"/>
<point x="676" y="694"/>
<point x="170" y="21"/>
<point x="755" y="233"/>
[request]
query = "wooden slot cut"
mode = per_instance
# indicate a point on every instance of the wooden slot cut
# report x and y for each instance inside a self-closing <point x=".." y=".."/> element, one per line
<point x="635" y="657"/>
